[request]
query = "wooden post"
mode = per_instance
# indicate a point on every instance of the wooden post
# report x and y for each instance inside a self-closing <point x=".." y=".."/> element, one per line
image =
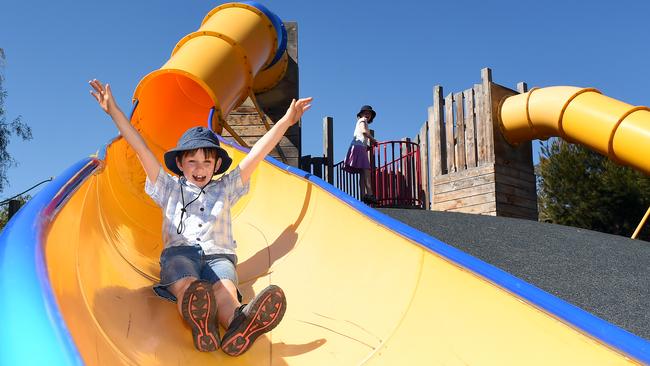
<point x="470" y="130"/>
<point x="328" y="148"/>
<point x="424" y="163"/>
<point x="522" y="87"/>
<point x="449" y="133"/>
<point x="460" y="132"/>
<point x="481" y="143"/>
<point x="437" y="134"/>
<point x="486" y="78"/>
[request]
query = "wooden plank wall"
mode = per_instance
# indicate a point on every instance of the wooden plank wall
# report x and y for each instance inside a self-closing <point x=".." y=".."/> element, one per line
<point x="457" y="148"/>
<point x="471" y="167"/>
<point x="459" y="138"/>
<point x="246" y="122"/>
<point x="470" y="191"/>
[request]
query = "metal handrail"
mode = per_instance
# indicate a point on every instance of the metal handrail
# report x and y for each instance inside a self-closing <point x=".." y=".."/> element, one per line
<point x="397" y="179"/>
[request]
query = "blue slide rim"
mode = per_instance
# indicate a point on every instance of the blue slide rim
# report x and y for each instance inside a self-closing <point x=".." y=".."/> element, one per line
<point x="280" y="30"/>
<point x="598" y="328"/>
<point x="24" y="275"/>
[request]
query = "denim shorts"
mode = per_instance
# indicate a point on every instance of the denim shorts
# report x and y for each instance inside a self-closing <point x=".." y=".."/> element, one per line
<point x="189" y="261"/>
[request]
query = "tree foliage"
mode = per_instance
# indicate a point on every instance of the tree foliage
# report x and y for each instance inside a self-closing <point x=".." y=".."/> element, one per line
<point x="578" y="187"/>
<point x="14" y="127"/>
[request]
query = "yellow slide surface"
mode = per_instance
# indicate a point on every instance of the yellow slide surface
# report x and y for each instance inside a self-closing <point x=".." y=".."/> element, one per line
<point x="358" y="290"/>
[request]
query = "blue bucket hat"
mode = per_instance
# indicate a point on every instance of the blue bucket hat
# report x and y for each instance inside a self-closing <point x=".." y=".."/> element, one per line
<point x="367" y="108"/>
<point x="196" y="138"/>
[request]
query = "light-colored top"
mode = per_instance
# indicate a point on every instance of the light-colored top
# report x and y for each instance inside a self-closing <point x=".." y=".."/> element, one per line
<point x="207" y="220"/>
<point x="361" y="127"/>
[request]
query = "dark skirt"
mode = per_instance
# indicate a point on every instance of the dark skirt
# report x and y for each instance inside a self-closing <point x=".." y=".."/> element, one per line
<point x="356" y="160"/>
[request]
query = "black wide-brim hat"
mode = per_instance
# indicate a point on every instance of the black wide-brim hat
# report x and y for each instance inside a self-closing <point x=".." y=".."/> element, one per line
<point x="369" y="109"/>
<point x="197" y="138"/>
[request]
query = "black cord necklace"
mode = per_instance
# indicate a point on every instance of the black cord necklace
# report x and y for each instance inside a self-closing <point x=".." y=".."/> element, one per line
<point x="181" y="224"/>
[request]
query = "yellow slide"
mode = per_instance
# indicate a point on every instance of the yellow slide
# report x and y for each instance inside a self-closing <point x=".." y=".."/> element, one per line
<point x="613" y="128"/>
<point x="361" y="288"/>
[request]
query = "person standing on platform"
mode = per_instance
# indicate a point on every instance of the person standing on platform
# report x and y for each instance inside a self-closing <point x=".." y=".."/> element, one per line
<point x="357" y="160"/>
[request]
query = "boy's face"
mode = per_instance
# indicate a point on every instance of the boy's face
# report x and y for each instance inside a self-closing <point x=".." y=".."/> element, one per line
<point x="197" y="168"/>
<point x="366" y="114"/>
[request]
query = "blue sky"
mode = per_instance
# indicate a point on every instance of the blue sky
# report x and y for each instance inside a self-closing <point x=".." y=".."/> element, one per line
<point x="388" y="54"/>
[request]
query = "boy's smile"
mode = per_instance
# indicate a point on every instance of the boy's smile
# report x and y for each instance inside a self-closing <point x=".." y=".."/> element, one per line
<point x="197" y="168"/>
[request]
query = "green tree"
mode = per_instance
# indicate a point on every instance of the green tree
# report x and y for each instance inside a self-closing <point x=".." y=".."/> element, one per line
<point x="14" y="127"/>
<point x="578" y="187"/>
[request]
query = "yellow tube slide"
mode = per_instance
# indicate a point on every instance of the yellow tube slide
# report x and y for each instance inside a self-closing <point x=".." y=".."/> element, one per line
<point x="359" y="292"/>
<point x="613" y="128"/>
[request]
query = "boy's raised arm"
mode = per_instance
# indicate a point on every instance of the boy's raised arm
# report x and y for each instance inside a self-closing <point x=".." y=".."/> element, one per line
<point x="106" y="101"/>
<point x="264" y="145"/>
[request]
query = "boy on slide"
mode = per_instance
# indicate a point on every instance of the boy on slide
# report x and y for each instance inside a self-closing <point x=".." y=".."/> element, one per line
<point x="198" y="261"/>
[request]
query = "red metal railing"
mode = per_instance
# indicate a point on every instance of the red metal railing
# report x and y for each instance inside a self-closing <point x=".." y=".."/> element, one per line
<point x="397" y="179"/>
<point x="396" y="175"/>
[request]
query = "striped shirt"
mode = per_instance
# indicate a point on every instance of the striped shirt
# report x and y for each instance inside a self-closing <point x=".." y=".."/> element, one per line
<point x="206" y="221"/>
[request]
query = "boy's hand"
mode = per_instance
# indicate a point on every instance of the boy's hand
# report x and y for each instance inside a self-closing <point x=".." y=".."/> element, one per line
<point x="103" y="95"/>
<point x="265" y="144"/>
<point x="296" y="110"/>
<point x="105" y="99"/>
